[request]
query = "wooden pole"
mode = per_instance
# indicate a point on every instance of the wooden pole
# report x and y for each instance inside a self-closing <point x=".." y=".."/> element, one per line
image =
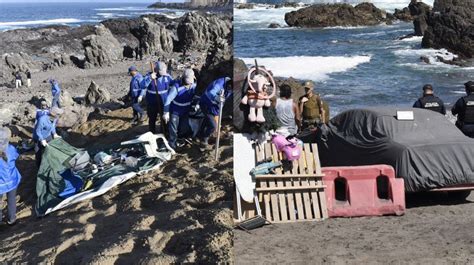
<point x="221" y="107"/>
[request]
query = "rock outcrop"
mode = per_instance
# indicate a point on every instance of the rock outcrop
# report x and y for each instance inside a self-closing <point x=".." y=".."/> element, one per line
<point x="274" y="26"/>
<point x="96" y="94"/>
<point x="403" y="14"/>
<point x="245" y="6"/>
<point x="153" y="38"/>
<point x="451" y="26"/>
<point x="331" y="15"/>
<point x="199" y="31"/>
<point x="419" y="12"/>
<point x="218" y="64"/>
<point x="102" y="48"/>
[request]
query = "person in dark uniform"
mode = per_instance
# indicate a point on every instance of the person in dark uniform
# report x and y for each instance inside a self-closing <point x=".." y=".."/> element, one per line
<point x="464" y="108"/>
<point x="430" y="101"/>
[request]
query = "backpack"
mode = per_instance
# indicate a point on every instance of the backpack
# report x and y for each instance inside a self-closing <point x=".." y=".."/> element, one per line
<point x="289" y="146"/>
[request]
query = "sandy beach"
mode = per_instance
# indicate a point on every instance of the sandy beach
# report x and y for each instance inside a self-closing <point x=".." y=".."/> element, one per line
<point x="180" y="213"/>
<point x="432" y="231"/>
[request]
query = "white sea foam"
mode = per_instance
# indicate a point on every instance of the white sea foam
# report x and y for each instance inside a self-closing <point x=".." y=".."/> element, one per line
<point x="127" y="8"/>
<point x="346" y="27"/>
<point x="112" y="15"/>
<point x="315" y="68"/>
<point x="413" y="39"/>
<point x="430" y="53"/>
<point x="40" y="22"/>
<point x="390" y="5"/>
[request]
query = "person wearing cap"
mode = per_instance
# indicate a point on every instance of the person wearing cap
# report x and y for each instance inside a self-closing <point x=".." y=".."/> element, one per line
<point x="178" y="105"/>
<point x="156" y="87"/>
<point x="464" y="108"/>
<point x="44" y="131"/>
<point x="287" y="112"/>
<point x="136" y="94"/>
<point x="9" y="175"/>
<point x="218" y="91"/>
<point x="56" y="92"/>
<point x="311" y="107"/>
<point x="17" y="80"/>
<point x="430" y="101"/>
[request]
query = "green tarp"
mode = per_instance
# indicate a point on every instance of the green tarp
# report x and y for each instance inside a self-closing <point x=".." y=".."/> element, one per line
<point x="49" y="182"/>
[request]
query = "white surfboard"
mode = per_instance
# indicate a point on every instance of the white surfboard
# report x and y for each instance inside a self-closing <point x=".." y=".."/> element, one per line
<point x="244" y="161"/>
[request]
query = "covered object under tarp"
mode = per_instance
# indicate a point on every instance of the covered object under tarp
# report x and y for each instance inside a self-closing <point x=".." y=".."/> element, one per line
<point x="428" y="152"/>
<point x="55" y="189"/>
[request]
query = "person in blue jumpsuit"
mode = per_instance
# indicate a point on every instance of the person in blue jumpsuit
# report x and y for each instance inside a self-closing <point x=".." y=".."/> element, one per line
<point x="156" y="87"/>
<point x="136" y="94"/>
<point x="9" y="175"/>
<point x="210" y="105"/>
<point x="178" y="105"/>
<point x="56" y="92"/>
<point x="44" y="132"/>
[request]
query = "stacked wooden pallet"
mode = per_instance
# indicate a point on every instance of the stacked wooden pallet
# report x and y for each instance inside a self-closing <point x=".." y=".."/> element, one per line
<point x="291" y="195"/>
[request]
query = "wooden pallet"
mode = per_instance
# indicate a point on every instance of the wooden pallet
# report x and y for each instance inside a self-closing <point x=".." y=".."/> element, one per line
<point x="290" y="196"/>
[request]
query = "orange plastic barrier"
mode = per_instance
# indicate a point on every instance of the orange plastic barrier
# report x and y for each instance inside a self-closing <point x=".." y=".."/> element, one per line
<point x="363" y="191"/>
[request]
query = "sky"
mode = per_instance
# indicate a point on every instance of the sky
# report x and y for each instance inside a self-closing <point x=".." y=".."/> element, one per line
<point x="50" y="1"/>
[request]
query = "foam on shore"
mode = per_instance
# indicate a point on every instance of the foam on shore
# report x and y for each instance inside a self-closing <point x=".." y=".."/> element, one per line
<point x="317" y="68"/>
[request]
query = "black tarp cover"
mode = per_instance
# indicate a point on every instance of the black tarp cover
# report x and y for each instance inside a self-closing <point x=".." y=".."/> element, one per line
<point x="428" y="152"/>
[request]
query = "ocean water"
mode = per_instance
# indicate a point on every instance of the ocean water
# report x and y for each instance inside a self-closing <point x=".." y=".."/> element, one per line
<point x="26" y="15"/>
<point x="353" y="66"/>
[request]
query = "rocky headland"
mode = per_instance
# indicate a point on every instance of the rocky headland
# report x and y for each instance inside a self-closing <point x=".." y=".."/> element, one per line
<point x="450" y="25"/>
<point x="332" y="15"/>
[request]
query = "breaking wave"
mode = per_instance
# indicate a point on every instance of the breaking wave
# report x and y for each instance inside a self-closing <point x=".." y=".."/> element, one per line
<point x="40" y="22"/>
<point x="317" y="68"/>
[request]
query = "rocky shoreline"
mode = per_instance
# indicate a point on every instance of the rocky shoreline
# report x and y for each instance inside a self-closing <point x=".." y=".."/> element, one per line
<point x="449" y="24"/>
<point x="75" y="56"/>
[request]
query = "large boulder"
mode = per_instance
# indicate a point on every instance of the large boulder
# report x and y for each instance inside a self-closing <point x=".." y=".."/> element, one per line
<point x="200" y="31"/>
<point x="331" y="15"/>
<point x="419" y="12"/>
<point x="403" y="14"/>
<point x="66" y="99"/>
<point x="19" y="61"/>
<point x="451" y="26"/>
<point x="7" y="110"/>
<point x="101" y="48"/>
<point x="274" y="26"/>
<point x="153" y="38"/>
<point x="96" y="94"/>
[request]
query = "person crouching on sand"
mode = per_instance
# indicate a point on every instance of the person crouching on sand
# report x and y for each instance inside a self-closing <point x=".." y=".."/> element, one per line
<point x="45" y="129"/>
<point x="178" y="105"/>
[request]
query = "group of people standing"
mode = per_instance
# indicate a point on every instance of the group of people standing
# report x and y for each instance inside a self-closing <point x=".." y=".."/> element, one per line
<point x="309" y="112"/>
<point x="43" y="132"/>
<point x="171" y="101"/>
<point x="19" y="80"/>
<point x="463" y="108"/>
